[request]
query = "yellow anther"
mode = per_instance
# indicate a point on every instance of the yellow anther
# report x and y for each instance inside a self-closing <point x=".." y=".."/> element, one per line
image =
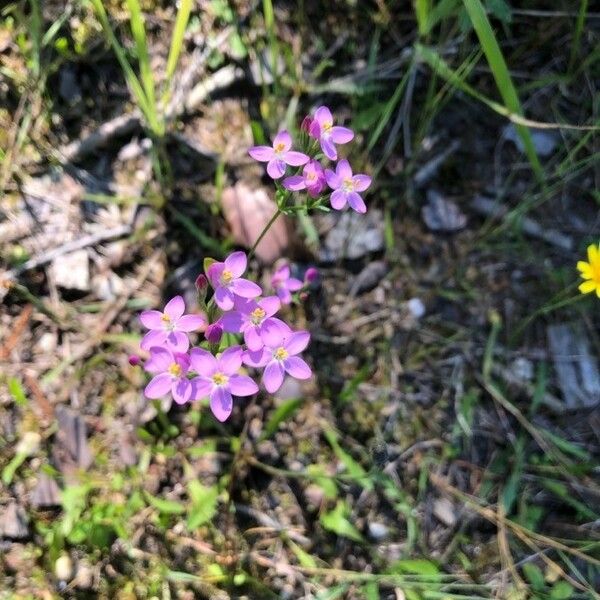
<point x="226" y="277"/>
<point x="175" y="370"/>
<point x="220" y="379"/>
<point x="281" y="353"/>
<point x="165" y="317"/>
<point x="257" y="315"/>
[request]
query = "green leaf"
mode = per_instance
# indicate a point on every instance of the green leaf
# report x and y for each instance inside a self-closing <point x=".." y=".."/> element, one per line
<point x="534" y="575"/>
<point x="138" y="29"/>
<point x="419" y="566"/>
<point x="504" y="82"/>
<point x="166" y="507"/>
<point x="371" y="591"/>
<point x="204" y="501"/>
<point x="334" y="592"/>
<point x="337" y="521"/>
<point x="281" y="413"/>
<point x="16" y="391"/>
<point x="324" y="481"/>
<point x="354" y="469"/>
<point x="304" y="558"/>
<point x="562" y="590"/>
<point x="183" y="15"/>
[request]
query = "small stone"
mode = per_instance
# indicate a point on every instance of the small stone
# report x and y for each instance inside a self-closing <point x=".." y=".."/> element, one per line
<point x="544" y="141"/>
<point x="46" y="493"/>
<point x="46" y="343"/>
<point x="71" y="271"/>
<point x="522" y="369"/>
<point x="14" y="522"/>
<point x="63" y="568"/>
<point x="377" y="531"/>
<point x="445" y="511"/>
<point x="29" y="444"/>
<point x="416" y="307"/>
<point x="314" y="495"/>
<point x="440" y="214"/>
<point x="84" y="577"/>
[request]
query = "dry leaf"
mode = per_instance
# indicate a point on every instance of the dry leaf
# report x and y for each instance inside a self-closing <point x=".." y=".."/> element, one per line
<point x="248" y="212"/>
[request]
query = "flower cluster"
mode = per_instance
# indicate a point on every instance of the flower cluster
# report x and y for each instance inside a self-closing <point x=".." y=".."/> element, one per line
<point x="319" y="140"/>
<point x="213" y="370"/>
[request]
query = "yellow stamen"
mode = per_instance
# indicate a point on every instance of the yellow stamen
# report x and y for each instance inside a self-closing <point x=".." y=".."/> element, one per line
<point x="220" y="379"/>
<point x="348" y="185"/>
<point x="279" y="148"/>
<point x="327" y="125"/>
<point x="165" y="317"/>
<point x="281" y="353"/>
<point x="257" y="315"/>
<point x="226" y="277"/>
<point x="175" y="370"/>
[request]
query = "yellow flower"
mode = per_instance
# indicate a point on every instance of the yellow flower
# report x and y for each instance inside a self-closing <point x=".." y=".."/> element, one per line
<point x="590" y="271"/>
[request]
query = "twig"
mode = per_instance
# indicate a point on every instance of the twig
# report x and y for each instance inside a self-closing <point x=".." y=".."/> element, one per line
<point x="17" y="330"/>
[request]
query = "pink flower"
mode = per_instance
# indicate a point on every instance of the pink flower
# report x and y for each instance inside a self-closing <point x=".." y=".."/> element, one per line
<point x="312" y="179"/>
<point x="170" y="370"/>
<point x="225" y="278"/>
<point x="278" y="156"/>
<point x="252" y="318"/>
<point x="218" y="379"/>
<point x="279" y="357"/>
<point x="346" y="186"/>
<point x="283" y="284"/>
<point x="169" y="328"/>
<point x="323" y="130"/>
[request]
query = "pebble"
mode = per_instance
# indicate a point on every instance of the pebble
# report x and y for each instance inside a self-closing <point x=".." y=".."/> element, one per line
<point x="378" y="531"/>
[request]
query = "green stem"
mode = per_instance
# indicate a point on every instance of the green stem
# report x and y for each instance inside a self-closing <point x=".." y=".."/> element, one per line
<point x="264" y="232"/>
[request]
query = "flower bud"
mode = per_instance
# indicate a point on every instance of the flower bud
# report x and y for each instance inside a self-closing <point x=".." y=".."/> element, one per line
<point x="214" y="333"/>
<point x="134" y="360"/>
<point x="311" y="275"/>
<point x="201" y="284"/>
<point x="306" y="123"/>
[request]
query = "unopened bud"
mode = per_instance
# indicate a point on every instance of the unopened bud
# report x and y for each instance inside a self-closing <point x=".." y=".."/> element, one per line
<point x="311" y="275"/>
<point x="303" y="296"/>
<point x="201" y="284"/>
<point x="214" y="333"/>
<point x="306" y="123"/>
<point x="134" y="360"/>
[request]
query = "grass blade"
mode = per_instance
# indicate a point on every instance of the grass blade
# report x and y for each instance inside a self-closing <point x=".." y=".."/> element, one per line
<point x="497" y="64"/>
<point x="138" y="29"/>
<point x="183" y="16"/>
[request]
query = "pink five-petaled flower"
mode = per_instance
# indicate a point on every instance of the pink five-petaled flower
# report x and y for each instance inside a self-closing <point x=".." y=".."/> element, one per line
<point x="218" y="378"/>
<point x="312" y="179"/>
<point x="284" y="285"/>
<point x="225" y="278"/>
<point x="279" y="357"/>
<point x="170" y="375"/>
<point x="252" y="318"/>
<point x="322" y="129"/>
<point x="168" y="328"/>
<point x="346" y="187"/>
<point x="279" y="155"/>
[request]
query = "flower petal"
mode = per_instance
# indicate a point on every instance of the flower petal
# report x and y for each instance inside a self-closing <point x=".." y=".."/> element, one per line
<point x="201" y="387"/>
<point x="230" y="361"/>
<point x="224" y="298"/>
<point x="177" y="341"/>
<point x="221" y="403"/>
<point x="333" y="181"/>
<point x="341" y="135"/>
<point x="297" y="368"/>
<point x="593" y="254"/>
<point x="328" y="148"/>
<point x="214" y="273"/>
<point x="159" y="386"/>
<point x="175" y="307"/>
<point x="294" y="284"/>
<point x="274" y="332"/>
<point x="284" y="295"/>
<point x="295" y="159"/>
<point x="181" y="390"/>
<point x="257" y="359"/>
<point x="246" y="288"/>
<point x="152" y="319"/>
<point x="323" y="115"/>
<point x="191" y="323"/>
<point x="361" y="182"/>
<point x="343" y="170"/>
<point x="283" y="138"/>
<point x="203" y="362"/>
<point x="588" y="286"/>
<point x="338" y="199"/>
<point x="236" y="263"/>
<point x="294" y="183"/>
<point x="242" y="385"/>
<point x="261" y="153"/>
<point x="232" y="322"/>
<point x="273" y="376"/>
<point x="275" y="168"/>
<point x="160" y="360"/>
<point x="183" y="360"/>
<point x="153" y="338"/>
<point x="357" y="203"/>
<point x="585" y="269"/>
<point x="297" y="342"/>
<point x="270" y="304"/>
<point x="253" y="339"/>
